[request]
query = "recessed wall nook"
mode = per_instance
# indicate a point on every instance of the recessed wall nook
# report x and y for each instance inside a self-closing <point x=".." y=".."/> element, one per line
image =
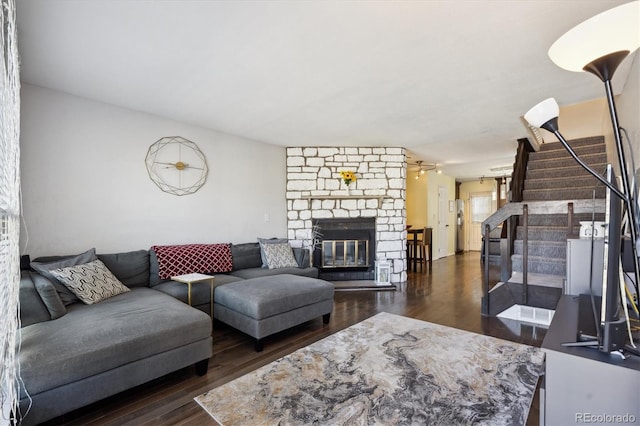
<point x="315" y="191"/>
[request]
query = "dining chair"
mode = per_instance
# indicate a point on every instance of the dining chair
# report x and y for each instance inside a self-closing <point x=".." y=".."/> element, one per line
<point x="420" y="248"/>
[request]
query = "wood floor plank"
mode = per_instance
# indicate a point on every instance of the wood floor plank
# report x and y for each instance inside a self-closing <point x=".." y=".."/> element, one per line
<point x="449" y="294"/>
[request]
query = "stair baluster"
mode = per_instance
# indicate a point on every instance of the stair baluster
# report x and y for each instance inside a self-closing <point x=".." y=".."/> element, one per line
<point x="525" y="251"/>
<point x="569" y="220"/>
<point x="485" y="281"/>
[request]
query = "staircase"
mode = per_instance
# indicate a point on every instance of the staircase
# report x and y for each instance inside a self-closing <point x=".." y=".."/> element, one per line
<point x="553" y="176"/>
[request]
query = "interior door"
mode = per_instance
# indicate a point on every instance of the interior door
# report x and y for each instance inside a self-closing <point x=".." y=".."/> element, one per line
<point x="443" y="223"/>
<point x="479" y="210"/>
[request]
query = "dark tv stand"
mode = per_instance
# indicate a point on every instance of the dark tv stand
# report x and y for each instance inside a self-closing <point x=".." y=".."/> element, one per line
<point x="582" y="381"/>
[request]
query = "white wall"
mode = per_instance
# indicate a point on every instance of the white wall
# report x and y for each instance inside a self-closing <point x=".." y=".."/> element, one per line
<point x="85" y="184"/>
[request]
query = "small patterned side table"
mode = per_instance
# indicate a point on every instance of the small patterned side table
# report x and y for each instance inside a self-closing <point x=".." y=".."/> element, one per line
<point x="189" y="279"/>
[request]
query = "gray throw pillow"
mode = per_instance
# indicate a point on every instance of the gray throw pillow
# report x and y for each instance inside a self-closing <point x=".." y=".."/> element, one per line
<point x="246" y="255"/>
<point x="131" y="268"/>
<point x="32" y="309"/>
<point x="263" y="242"/>
<point x="279" y="256"/>
<point x="43" y="268"/>
<point x="49" y="295"/>
<point x="302" y="257"/>
<point x="92" y="282"/>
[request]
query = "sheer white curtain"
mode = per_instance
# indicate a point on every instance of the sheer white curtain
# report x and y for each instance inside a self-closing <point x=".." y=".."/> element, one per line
<point x="9" y="209"/>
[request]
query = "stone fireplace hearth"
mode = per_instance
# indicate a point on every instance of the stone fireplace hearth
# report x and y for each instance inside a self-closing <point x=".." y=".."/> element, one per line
<point x="316" y="193"/>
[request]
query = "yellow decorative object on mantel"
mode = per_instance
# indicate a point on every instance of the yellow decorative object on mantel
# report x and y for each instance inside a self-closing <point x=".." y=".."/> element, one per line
<point x="348" y="176"/>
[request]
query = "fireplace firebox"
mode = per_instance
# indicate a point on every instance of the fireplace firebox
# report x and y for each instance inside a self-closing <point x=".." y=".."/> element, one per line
<point x="347" y="249"/>
<point x="345" y="253"/>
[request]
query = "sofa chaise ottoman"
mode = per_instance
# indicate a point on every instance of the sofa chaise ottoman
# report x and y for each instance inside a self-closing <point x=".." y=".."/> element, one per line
<point x="266" y="305"/>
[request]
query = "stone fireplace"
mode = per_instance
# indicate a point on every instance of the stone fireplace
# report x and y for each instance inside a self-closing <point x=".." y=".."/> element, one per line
<point x="317" y="199"/>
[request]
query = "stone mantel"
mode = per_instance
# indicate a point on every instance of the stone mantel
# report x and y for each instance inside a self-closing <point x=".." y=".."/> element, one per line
<point x="345" y="197"/>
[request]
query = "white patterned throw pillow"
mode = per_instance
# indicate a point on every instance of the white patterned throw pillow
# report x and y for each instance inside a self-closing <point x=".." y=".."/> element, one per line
<point x="92" y="282"/>
<point x="279" y="256"/>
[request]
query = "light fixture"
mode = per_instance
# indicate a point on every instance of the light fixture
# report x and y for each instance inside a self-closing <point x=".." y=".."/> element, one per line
<point x="600" y="43"/>
<point x="423" y="168"/>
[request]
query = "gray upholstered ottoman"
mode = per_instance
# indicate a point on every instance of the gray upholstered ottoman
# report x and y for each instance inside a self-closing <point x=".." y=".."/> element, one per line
<point x="263" y="306"/>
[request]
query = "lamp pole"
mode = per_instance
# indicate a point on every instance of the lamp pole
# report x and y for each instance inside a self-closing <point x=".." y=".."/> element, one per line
<point x="604" y="68"/>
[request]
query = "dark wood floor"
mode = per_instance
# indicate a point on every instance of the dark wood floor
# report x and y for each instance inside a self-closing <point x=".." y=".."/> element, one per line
<point x="449" y="295"/>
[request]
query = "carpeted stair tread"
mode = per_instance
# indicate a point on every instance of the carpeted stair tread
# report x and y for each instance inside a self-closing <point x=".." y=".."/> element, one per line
<point x="540" y="264"/>
<point x="574" y="171"/>
<point x="562" y="152"/>
<point x="563" y="194"/>
<point x="562" y="182"/>
<point x="545" y="233"/>
<point x="574" y="143"/>
<point x="555" y="249"/>
<point x="599" y="158"/>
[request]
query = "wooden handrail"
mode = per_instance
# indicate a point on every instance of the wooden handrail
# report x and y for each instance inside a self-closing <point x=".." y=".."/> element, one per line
<point x="543" y="207"/>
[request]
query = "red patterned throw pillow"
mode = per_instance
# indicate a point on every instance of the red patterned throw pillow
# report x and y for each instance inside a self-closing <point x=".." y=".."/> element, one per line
<point x="190" y="258"/>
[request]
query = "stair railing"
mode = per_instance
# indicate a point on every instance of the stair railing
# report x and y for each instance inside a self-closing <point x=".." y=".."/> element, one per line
<point x="512" y="211"/>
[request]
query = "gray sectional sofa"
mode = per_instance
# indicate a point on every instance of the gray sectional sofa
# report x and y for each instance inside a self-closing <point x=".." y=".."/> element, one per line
<point x="74" y="354"/>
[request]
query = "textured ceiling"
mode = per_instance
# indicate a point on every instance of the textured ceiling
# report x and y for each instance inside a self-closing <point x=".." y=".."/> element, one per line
<point x="446" y="79"/>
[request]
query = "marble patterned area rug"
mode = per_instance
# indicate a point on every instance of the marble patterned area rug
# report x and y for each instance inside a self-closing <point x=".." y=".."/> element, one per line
<point x="387" y="370"/>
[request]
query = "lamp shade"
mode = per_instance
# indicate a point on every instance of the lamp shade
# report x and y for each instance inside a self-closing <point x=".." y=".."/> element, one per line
<point x="543" y="112"/>
<point x="613" y="30"/>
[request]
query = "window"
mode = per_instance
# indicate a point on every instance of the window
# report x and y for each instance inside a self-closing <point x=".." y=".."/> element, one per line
<point x="480" y="207"/>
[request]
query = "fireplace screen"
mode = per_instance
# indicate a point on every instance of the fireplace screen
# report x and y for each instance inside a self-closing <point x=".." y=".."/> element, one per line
<point x="345" y="253"/>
